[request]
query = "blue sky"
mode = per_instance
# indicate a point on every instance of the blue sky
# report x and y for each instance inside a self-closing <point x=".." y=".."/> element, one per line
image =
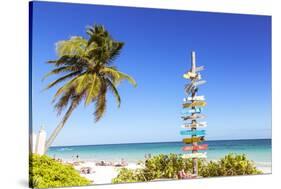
<point x="235" y="49"/>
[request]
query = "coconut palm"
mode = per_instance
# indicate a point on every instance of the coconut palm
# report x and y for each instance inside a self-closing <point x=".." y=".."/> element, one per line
<point x="85" y="68"/>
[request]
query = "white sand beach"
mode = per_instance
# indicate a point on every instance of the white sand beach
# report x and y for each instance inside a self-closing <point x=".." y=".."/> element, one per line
<point x="102" y="174"/>
<point x="265" y="167"/>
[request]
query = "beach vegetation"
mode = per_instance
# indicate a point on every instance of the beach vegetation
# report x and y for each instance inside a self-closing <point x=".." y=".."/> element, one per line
<point x="229" y="165"/>
<point x="45" y="172"/>
<point x="168" y="166"/>
<point x="86" y="73"/>
<point x="126" y="175"/>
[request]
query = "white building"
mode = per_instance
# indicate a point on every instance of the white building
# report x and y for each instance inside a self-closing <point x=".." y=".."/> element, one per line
<point x="33" y="143"/>
<point x="39" y="142"/>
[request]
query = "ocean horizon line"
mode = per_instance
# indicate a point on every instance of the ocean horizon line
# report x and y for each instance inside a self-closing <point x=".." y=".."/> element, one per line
<point x="156" y="142"/>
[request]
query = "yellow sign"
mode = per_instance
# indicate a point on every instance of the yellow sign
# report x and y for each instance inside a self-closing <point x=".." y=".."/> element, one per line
<point x="193" y="139"/>
<point x="193" y="104"/>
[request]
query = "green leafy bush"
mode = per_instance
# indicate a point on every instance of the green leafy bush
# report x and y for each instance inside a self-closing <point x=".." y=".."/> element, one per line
<point x="230" y="165"/>
<point x="44" y="172"/>
<point x="167" y="166"/>
<point x="128" y="175"/>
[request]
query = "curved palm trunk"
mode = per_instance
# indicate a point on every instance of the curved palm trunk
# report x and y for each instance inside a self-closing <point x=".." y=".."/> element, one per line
<point x="59" y="127"/>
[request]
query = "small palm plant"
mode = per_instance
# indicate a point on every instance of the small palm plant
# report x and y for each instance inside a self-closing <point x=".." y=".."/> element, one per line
<point x="88" y="74"/>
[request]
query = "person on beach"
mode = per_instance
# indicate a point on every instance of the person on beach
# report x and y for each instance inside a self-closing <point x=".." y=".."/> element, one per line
<point x="183" y="175"/>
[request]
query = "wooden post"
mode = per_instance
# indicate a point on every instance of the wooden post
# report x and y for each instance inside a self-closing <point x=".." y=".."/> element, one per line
<point x="192" y="89"/>
<point x="194" y="160"/>
<point x="193" y="62"/>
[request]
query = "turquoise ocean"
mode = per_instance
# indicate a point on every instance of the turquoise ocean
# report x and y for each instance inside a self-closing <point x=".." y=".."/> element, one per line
<point x="258" y="150"/>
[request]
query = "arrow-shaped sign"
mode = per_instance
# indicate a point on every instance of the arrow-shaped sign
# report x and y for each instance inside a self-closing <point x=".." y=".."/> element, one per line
<point x="196" y="147"/>
<point x="193" y="125"/>
<point x="200" y="68"/>
<point x="197" y="83"/>
<point x="195" y="155"/>
<point x="189" y="75"/>
<point x="198" y="98"/>
<point x="189" y="88"/>
<point x="192" y="76"/>
<point x="194" y="116"/>
<point x="193" y="139"/>
<point x="193" y="132"/>
<point x="190" y="111"/>
<point x="193" y="104"/>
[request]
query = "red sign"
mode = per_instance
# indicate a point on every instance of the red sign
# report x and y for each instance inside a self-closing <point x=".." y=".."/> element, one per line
<point x="198" y="147"/>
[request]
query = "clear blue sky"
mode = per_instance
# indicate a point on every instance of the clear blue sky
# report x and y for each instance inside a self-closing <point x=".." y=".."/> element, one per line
<point x="235" y="49"/>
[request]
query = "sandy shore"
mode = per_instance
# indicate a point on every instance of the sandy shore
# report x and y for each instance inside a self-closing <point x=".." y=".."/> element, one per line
<point x="102" y="174"/>
<point x="265" y="167"/>
<point x="105" y="174"/>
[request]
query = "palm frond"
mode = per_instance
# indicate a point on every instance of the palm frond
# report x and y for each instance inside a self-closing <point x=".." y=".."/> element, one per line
<point x="117" y="76"/>
<point x="101" y="102"/>
<point x="115" y="92"/>
<point x="67" y="86"/>
<point x="115" y="51"/>
<point x="93" y="90"/>
<point x="81" y="82"/>
<point x="97" y="34"/>
<point x="61" y="79"/>
<point x="76" y="45"/>
<point x="61" y="70"/>
<point x="70" y="60"/>
<point x="64" y="100"/>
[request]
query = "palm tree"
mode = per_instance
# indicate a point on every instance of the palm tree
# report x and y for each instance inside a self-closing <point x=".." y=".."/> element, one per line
<point x="88" y="74"/>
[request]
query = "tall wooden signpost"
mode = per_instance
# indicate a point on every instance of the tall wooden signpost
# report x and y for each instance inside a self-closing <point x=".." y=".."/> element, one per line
<point x="192" y="109"/>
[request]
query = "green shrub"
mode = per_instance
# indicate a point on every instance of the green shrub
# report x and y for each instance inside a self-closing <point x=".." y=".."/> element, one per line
<point x="157" y="167"/>
<point x="127" y="175"/>
<point x="230" y="165"/>
<point x="167" y="166"/>
<point x="44" y="172"/>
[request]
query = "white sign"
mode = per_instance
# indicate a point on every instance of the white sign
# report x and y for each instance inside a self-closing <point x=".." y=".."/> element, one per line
<point x="201" y="98"/>
<point x="197" y="83"/>
<point x="195" y="155"/>
<point x="190" y="125"/>
<point x="200" y="68"/>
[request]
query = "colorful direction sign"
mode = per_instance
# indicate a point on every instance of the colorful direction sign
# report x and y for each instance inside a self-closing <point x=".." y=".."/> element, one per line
<point x="193" y="104"/>
<point x="195" y="155"/>
<point x="190" y="111"/>
<point x="189" y="75"/>
<point x="193" y="139"/>
<point x="193" y="132"/>
<point x="195" y="147"/>
<point x="189" y="88"/>
<point x="194" y="125"/>
<point x="200" y="68"/>
<point x="197" y="83"/>
<point x="201" y="98"/>
<point x="193" y="117"/>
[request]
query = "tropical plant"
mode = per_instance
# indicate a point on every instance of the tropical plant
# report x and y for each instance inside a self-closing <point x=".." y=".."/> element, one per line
<point x="230" y="165"/>
<point x="88" y="73"/>
<point x="127" y="175"/>
<point x="157" y="167"/>
<point x="167" y="166"/>
<point x="44" y="172"/>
